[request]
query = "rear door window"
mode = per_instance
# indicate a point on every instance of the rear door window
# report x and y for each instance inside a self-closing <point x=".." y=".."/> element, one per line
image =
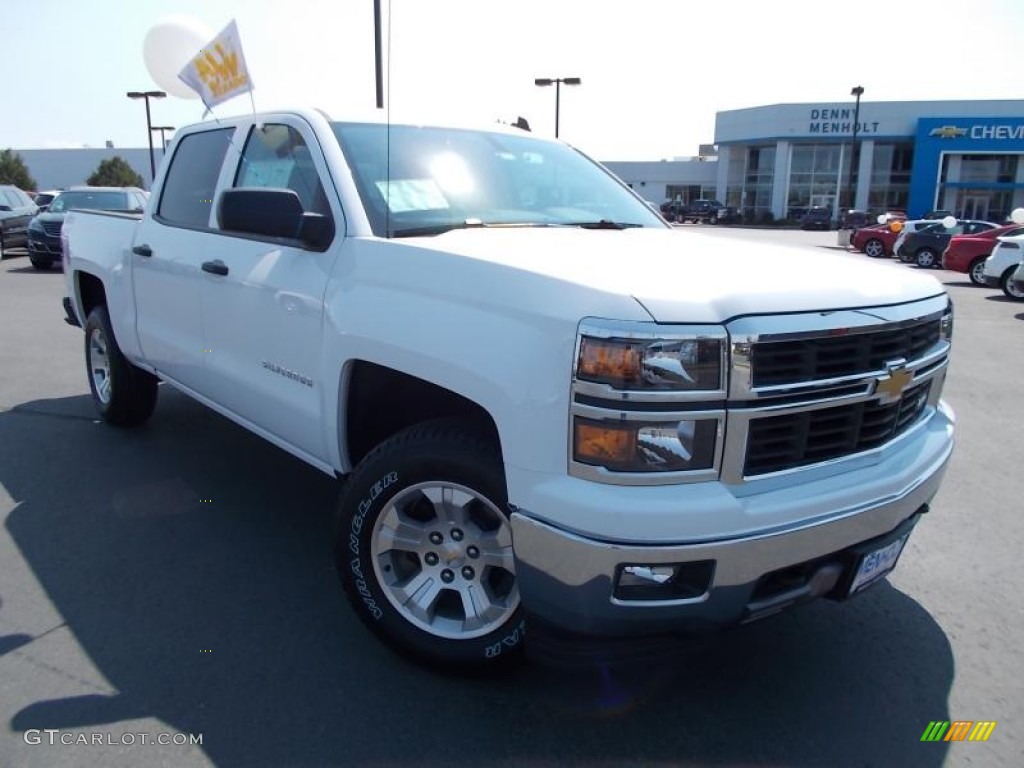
<point x="187" y="195"/>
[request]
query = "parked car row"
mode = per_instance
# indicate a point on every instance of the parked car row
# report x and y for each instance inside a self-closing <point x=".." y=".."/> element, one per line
<point x="989" y="254"/>
<point x="35" y="223"/>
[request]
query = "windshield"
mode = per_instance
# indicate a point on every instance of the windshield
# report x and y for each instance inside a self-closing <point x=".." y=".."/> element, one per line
<point x="99" y="201"/>
<point x="446" y="178"/>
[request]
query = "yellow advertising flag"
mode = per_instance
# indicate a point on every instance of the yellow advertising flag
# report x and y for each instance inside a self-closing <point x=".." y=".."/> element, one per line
<point x="218" y="72"/>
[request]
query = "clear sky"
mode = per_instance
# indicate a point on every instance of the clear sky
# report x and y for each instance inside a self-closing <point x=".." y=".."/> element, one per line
<point x="654" y="71"/>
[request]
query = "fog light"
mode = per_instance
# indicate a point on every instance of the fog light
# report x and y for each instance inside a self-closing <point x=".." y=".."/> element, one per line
<point x="663" y="581"/>
<point x="642" y="575"/>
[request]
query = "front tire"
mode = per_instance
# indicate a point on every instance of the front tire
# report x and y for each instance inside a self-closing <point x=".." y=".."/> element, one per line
<point x="424" y="549"/>
<point x="41" y="264"/>
<point x="124" y="394"/>
<point x="1007" y="285"/>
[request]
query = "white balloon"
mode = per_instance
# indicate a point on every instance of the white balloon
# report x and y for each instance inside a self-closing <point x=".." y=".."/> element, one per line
<point x="882" y="219"/>
<point x="1017" y="217"/>
<point x="949" y="222"/>
<point x="168" y="47"/>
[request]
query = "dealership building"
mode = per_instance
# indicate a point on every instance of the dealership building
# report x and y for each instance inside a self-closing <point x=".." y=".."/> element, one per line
<point x="916" y="156"/>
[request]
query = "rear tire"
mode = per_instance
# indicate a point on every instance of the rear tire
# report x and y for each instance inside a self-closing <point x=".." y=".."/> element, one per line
<point x="424" y="549"/>
<point x="926" y="258"/>
<point x="874" y="248"/>
<point x="977" y="270"/>
<point x="124" y="394"/>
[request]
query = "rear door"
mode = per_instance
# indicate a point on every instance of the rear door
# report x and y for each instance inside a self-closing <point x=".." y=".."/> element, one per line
<point x="170" y="245"/>
<point x="263" y="298"/>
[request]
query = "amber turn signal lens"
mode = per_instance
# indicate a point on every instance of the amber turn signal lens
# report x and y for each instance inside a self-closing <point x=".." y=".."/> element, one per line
<point x="610" y="361"/>
<point x="604" y="445"/>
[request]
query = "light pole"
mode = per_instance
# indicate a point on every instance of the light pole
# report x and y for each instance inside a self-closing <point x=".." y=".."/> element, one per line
<point x="557" y="81"/>
<point x="147" y="95"/>
<point x="377" y="63"/>
<point x="163" y="141"/>
<point x="856" y="91"/>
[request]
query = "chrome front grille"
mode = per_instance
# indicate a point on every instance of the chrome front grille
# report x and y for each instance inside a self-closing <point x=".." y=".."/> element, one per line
<point x="812" y="389"/>
<point x="776" y="443"/>
<point x="52" y="228"/>
<point x="842" y="354"/>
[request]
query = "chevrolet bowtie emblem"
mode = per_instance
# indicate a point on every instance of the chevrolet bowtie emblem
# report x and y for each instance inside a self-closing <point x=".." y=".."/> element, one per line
<point x="890" y="388"/>
<point x="948" y="132"/>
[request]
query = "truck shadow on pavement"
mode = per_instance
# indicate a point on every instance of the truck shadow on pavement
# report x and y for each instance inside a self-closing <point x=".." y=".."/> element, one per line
<point x="192" y="563"/>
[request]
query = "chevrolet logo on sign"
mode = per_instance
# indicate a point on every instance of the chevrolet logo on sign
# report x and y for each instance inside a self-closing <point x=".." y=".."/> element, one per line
<point x="948" y="132"/>
<point x="890" y="387"/>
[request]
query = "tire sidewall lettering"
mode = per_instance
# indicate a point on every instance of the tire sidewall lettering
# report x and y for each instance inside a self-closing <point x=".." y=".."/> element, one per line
<point x="511" y="640"/>
<point x="358" y="519"/>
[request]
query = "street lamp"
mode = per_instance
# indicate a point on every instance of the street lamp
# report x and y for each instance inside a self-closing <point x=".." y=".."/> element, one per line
<point x="163" y="141"/>
<point x="856" y="91"/>
<point x="557" y="81"/>
<point x="147" y="95"/>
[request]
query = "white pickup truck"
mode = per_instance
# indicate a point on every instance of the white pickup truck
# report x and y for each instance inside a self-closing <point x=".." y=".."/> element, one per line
<point x="549" y="409"/>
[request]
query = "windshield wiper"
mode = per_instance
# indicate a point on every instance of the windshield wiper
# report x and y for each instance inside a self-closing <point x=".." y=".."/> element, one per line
<point x="602" y="224"/>
<point x="439" y="229"/>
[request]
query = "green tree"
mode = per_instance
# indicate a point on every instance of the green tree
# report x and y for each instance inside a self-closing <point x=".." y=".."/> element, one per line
<point x="114" y="172"/>
<point x="14" y="171"/>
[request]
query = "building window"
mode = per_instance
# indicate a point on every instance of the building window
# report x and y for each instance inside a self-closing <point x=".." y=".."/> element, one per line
<point x="817" y="172"/>
<point x="749" y="181"/>
<point x="890" y="177"/>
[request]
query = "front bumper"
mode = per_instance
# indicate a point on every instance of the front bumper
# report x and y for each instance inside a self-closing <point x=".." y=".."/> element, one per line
<point x="992" y="281"/>
<point x="568" y="580"/>
<point x="44" y="247"/>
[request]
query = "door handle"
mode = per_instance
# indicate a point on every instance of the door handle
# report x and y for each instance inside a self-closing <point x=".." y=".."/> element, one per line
<point x="142" y="250"/>
<point x="216" y="267"/>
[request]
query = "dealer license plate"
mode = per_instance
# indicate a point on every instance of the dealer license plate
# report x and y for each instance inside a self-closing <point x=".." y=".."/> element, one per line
<point x="875" y="565"/>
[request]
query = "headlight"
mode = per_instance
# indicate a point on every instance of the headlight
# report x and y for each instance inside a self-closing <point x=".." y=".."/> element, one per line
<point x="659" y="364"/>
<point x="648" y="402"/>
<point x="655" y="446"/>
<point x="946" y="324"/>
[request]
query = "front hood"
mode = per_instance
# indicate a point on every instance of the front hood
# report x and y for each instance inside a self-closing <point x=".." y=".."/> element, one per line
<point x="50" y="218"/>
<point x="691" y="277"/>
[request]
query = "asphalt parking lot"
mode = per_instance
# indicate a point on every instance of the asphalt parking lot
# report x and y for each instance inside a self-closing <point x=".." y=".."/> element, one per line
<point x="178" y="579"/>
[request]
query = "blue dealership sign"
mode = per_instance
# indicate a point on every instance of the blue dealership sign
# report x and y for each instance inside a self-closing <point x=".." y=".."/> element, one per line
<point x="961" y="136"/>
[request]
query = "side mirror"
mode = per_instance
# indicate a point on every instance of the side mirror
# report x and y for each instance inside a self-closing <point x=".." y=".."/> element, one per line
<point x="272" y="213"/>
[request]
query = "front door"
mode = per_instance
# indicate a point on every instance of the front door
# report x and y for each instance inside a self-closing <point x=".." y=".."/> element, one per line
<point x="263" y="309"/>
<point x="975" y="207"/>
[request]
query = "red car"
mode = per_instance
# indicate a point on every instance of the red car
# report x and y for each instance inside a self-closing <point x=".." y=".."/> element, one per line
<point x="967" y="253"/>
<point x="876" y="241"/>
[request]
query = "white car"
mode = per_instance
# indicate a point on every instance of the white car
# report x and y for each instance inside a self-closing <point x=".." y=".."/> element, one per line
<point x="1000" y="266"/>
